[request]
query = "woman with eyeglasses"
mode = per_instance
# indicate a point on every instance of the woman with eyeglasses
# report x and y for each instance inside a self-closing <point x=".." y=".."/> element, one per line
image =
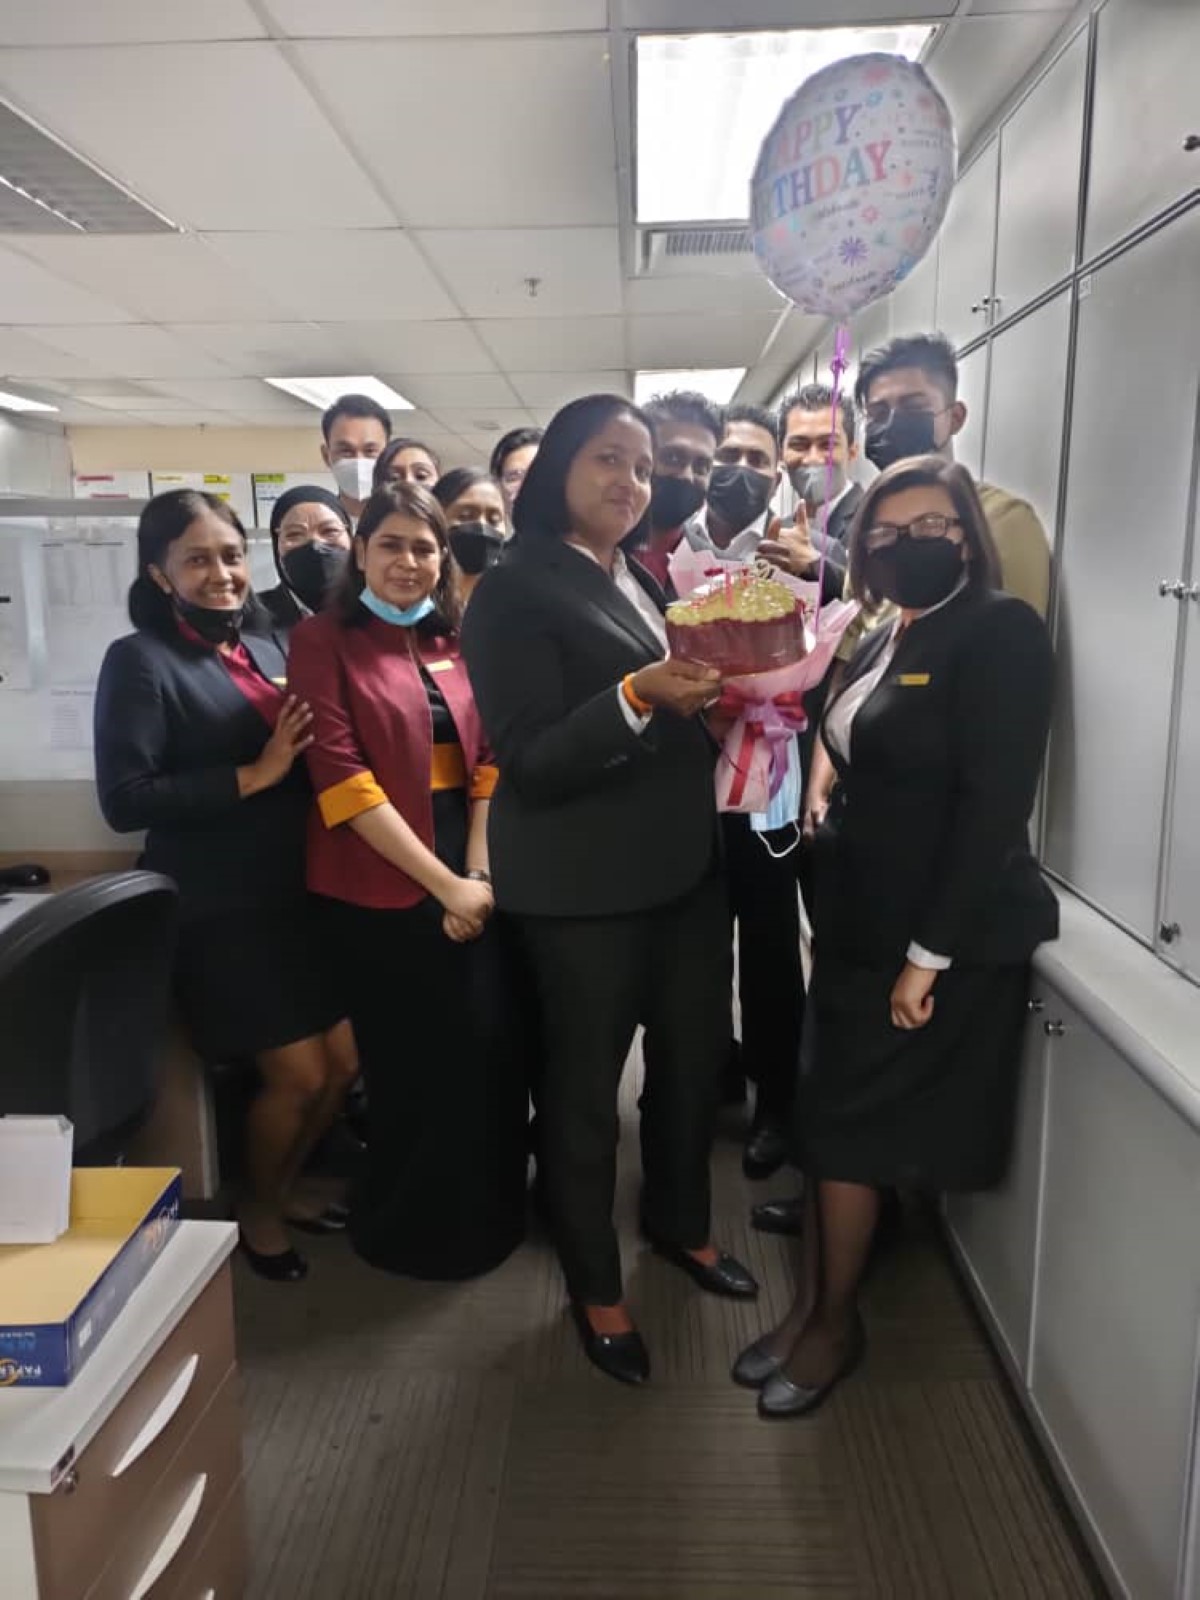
<point x="929" y="905"/>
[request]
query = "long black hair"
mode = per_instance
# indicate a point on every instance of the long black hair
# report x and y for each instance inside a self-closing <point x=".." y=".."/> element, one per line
<point x="396" y="500"/>
<point x="540" y="510"/>
<point x="452" y="485"/>
<point x="515" y="439"/>
<point x="982" y="569"/>
<point x="164" y="519"/>
<point x="396" y="447"/>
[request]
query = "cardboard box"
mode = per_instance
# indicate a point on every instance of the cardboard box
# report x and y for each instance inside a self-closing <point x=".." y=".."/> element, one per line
<point x="57" y="1301"/>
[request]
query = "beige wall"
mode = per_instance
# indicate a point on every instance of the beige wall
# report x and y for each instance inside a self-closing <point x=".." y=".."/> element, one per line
<point x="196" y="449"/>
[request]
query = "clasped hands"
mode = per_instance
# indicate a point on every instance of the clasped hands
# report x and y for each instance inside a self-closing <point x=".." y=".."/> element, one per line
<point x="467" y="907"/>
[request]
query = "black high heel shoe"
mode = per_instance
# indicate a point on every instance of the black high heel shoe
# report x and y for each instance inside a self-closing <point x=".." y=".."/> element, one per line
<point x="620" y="1355"/>
<point x="283" y="1266"/>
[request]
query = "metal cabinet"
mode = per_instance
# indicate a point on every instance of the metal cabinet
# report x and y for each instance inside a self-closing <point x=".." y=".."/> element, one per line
<point x="973" y="392"/>
<point x="1113" y="1363"/>
<point x="1145" y="107"/>
<point x="996" y="1231"/>
<point x="913" y="302"/>
<point x="965" y="252"/>
<point x="1027" y="388"/>
<point x="1136" y="376"/>
<point x="1041" y="146"/>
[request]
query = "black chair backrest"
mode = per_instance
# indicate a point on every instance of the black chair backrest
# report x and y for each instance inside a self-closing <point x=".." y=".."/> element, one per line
<point x="84" y="1005"/>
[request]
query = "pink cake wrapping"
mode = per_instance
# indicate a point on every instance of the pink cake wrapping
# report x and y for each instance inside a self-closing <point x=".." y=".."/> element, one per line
<point x="741" y="623"/>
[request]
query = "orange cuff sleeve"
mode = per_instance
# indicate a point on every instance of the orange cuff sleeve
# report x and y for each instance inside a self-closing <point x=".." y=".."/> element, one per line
<point x="350" y="798"/>
<point x="483" y="782"/>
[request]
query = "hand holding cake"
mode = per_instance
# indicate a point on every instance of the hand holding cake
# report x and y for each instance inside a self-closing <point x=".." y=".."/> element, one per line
<point x="684" y="687"/>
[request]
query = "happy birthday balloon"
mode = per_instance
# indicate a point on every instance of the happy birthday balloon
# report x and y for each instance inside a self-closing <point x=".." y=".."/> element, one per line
<point x="852" y="182"/>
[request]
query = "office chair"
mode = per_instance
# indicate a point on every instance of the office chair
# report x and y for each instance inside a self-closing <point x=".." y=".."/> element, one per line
<point x="84" y="1004"/>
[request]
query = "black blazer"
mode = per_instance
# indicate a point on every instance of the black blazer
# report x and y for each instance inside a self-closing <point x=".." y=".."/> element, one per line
<point x="927" y="836"/>
<point x="589" y="818"/>
<point x="171" y="730"/>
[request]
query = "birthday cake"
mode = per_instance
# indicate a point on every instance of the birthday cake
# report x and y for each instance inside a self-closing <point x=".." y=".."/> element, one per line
<point x="742" y="622"/>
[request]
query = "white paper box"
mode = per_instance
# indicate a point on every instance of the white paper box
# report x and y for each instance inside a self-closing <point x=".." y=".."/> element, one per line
<point x="35" y="1179"/>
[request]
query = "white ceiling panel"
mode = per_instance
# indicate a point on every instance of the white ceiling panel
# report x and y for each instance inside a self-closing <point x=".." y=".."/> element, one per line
<point x="368" y="272"/>
<point x="24" y="357"/>
<point x="555" y="344"/>
<point x="214" y="135"/>
<point x="172" y="419"/>
<point x="578" y="270"/>
<point x="483" y="132"/>
<point x="263" y="349"/>
<point x="136" y="351"/>
<point x="311" y="19"/>
<point x="728" y="293"/>
<point x="545" y="392"/>
<point x="481" y="426"/>
<point x="409" y="347"/>
<point x="453" y="389"/>
<point x="158" y="277"/>
<point x="687" y="341"/>
<point x="30" y="294"/>
<point x="697" y="16"/>
<point x="235" y="394"/>
<point x="68" y="22"/>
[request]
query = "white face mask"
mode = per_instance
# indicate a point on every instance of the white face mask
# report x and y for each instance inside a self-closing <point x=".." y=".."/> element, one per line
<point x="353" y="475"/>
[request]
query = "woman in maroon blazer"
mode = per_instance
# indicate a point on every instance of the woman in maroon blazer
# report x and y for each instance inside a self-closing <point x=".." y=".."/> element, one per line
<point x="398" y="847"/>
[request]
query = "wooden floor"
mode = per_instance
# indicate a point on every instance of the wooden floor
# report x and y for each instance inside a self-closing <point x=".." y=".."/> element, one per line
<point x="415" y="1442"/>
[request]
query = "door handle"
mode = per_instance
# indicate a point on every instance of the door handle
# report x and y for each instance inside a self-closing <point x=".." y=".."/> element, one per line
<point x="1036" y="1005"/>
<point x="981" y="305"/>
<point x="1054" y="1030"/>
<point x="1175" y="588"/>
<point x="1168" y="932"/>
<point x="1194" y="593"/>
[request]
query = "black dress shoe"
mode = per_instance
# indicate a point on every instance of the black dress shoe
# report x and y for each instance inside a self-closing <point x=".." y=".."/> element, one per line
<point x="620" y="1355"/>
<point x="724" y="1276"/>
<point x="766" y="1149"/>
<point x="332" y="1220"/>
<point x="780" y="1397"/>
<point x="779" y="1216"/>
<point x="285" y="1266"/>
<point x="755" y="1365"/>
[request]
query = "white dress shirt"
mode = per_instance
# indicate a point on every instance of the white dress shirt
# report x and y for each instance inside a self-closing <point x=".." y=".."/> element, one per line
<point x="742" y="547"/>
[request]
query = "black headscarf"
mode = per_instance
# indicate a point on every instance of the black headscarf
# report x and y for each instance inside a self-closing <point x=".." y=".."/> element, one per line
<point x="304" y="494"/>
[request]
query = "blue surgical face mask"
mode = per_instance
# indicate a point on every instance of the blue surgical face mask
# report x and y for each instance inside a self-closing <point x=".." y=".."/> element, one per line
<point x="784" y="809"/>
<point x="400" y="616"/>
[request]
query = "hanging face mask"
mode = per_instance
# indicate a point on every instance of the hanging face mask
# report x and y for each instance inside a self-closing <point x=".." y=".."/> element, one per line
<point x="353" y="476"/>
<point x="784" y="809"/>
<point x="810" y="483"/>
<point x="904" y="434"/>
<point x="398" y="616"/>
<point x="915" y="573"/>
<point x="673" y="500"/>
<point x="215" y="624"/>
<point x="311" y="570"/>
<point x="739" y="495"/>
<point x="475" y="546"/>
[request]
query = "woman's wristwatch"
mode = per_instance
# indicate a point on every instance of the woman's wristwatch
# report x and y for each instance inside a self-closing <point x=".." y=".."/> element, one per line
<point x="478" y="875"/>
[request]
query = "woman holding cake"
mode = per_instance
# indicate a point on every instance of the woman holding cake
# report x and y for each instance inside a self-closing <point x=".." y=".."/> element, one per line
<point x="929" y="905"/>
<point x="603" y="844"/>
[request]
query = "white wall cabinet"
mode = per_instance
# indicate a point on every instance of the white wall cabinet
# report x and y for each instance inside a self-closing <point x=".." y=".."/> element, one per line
<point x="1027" y="388"/>
<point x="1041" y="146"/>
<point x="1145" y="106"/>
<point x="965" y="252"/>
<point x="1137" y="358"/>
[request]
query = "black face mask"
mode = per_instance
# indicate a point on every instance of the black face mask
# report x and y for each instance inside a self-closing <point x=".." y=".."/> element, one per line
<point x="475" y="546"/>
<point x="915" y="573"/>
<point x="215" y="625"/>
<point x="310" y="570"/>
<point x="904" y="434"/>
<point x="673" y="500"/>
<point x="739" y="495"/>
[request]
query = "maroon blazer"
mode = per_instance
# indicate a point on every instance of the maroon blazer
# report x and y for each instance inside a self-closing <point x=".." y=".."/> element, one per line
<point x="373" y="742"/>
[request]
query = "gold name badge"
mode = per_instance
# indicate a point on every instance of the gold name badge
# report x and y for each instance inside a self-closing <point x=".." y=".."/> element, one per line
<point x="439" y="666"/>
<point x="914" y="680"/>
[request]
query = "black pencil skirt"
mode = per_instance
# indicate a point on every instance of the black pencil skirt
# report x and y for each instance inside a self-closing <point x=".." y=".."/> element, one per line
<point x="928" y="1109"/>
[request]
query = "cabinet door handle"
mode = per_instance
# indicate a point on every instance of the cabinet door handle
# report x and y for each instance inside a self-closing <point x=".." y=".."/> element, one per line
<point x="173" y="1539"/>
<point x="1168" y="932"/>
<point x="1036" y="1005"/>
<point x="161" y="1416"/>
<point x="1192" y="142"/>
<point x="981" y="305"/>
<point x="1054" y="1030"/>
<point x="1173" y="588"/>
<point x="1194" y="593"/>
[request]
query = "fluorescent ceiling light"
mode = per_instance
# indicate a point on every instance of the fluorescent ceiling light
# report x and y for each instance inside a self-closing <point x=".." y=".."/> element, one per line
<point x="706" y="100"/>
<point x="717" y="384"/>
<point x="322" y="392"/>
<point x="18" y="402"/>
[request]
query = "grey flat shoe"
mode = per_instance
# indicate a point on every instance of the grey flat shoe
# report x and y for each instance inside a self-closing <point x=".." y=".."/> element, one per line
<point x="781" y="1398"/>
<point x="755" y="1365"/>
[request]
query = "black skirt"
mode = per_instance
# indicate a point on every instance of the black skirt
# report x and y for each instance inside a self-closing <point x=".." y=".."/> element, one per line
<point x="931" y="1108"/>
<point x="255" y="979"/>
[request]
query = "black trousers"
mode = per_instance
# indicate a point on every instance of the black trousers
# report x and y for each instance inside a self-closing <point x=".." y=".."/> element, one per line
<point x="598" y="978"/>
<point x="764" y="903"/>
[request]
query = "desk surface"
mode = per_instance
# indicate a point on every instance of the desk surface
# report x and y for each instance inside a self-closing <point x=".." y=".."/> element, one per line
<point x="15" y="903"/>
<point x="43" y="1430"/>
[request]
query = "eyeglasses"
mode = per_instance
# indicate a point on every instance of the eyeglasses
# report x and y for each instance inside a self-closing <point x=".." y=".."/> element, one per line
<point x="932" y="526"/>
